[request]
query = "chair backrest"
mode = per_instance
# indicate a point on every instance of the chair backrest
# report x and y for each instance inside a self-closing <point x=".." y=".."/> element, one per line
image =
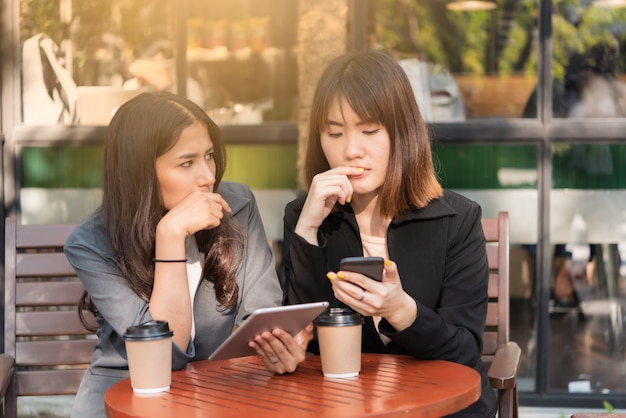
<point x="42" y="330"/>
<point x="497" y="325"/>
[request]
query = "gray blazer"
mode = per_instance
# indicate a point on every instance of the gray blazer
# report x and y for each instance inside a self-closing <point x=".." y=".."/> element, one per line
<point x="119" y="306"/>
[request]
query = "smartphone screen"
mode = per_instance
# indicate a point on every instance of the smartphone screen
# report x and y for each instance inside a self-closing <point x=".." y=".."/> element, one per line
<point x="371" y="267"/>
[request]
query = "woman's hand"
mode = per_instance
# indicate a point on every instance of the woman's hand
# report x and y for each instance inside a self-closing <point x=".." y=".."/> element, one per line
<point x="199" y="210"/>
<point x="326" y="189"/>
<point x="384" y="299"/>
<point x="280" y="352"/>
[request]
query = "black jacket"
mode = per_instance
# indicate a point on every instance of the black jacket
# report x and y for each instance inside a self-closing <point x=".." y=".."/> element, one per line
<point x="442" y="262"/>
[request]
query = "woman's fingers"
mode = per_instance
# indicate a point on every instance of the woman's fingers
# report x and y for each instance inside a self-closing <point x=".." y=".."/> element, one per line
<point x="279" y="351"/>
<point x="199" y="210"/>
<point x="327" y="189"/>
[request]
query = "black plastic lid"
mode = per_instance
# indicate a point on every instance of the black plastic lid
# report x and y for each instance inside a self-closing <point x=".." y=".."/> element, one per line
<point x="339" y="317"/>
<point x="151" y="330"/>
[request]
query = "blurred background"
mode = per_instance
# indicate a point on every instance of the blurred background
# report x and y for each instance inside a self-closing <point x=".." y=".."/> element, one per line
<point x="524" y="98"/>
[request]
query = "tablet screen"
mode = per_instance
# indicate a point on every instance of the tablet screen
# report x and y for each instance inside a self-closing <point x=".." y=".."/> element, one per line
<point x="291" y="318"/>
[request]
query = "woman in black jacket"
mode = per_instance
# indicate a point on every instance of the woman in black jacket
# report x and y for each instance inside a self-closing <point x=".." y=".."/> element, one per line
<point x="373" y="191"/>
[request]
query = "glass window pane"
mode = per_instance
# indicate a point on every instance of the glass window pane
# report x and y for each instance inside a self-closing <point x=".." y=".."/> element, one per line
<point x="588" y="231"/>
<point x="504" y="178"/>
<point x="242" y="52"/>
<point x="588" y="59"/>
<point x="79" y="57"/>
<point x="83" y="59"/>
<point x="464" y="64"/>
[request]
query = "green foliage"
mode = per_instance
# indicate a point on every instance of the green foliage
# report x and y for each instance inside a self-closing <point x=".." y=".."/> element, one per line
<point x="459" y="41"/>
<point x="562" y="50"/>
<point x="577" y="28"/>
<point x="520" y="35"/>
<point x="40" y="16"/>
<point x="99" y="29"/>
<point x="608" y="407"/>
<point x="517" y="39"/>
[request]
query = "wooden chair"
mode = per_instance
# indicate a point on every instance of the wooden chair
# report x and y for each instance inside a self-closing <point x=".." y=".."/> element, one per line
<point x="46" y="347"/>
<point x="499" y="354"/>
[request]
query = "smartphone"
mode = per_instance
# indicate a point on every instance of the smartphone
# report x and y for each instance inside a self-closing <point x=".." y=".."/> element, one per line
<point x="371" y="267"/>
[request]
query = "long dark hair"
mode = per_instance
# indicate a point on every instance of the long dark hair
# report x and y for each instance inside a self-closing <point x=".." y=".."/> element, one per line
<point x="378" y="90"/>
<point x="143" y="129"/>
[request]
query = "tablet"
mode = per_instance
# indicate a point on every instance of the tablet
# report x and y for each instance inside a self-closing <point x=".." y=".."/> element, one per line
<point x="291" y="318"/>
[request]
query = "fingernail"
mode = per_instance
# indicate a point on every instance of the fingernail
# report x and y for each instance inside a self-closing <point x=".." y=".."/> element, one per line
<point x="329" y="276"/>
<point x="340" y="275"/>
<point x="361" y="169"/>
<point x="349" y="199"/>
<point x="387" y="262"/>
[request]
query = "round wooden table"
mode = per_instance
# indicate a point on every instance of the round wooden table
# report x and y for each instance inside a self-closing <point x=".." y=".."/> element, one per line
<point x="388" y="386"/>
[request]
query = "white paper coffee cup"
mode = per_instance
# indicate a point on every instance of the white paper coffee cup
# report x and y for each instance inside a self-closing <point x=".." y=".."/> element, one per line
<point x="149" y="351"/>
<point x="339" y="334"/>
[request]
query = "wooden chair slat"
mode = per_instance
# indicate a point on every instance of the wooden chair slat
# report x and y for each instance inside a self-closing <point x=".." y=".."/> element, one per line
<point x="50" y="353"/>
<point x="43" y="265"/>
<point x="492" y="257"/>
<point x="48" y="293"/>
<point x="42" y="236"/>
<point x="492" y="315"/>
<point x="47" y="323"/>
<point x="494" y="286"/>
<point x="49" y="382"/>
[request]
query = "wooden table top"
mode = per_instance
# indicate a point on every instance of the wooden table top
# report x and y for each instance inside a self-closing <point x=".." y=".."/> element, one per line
<point x="388" y="385"/>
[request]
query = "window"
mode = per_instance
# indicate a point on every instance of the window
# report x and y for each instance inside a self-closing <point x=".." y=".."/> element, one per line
<point x="464" y="64"/>
<point x="83" y="59"/>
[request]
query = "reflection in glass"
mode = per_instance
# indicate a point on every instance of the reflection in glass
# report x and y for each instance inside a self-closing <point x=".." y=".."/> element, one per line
<point x="76" y="56"/>
<point x="83" y="59"/>
<point x="587" y="205"/>
<point x="242" y="51"/>
<point x="489" y="54"/>
<point x="588" y="219"/>
<point x="504" y="178"/>
<point x="588" y="60"/>
<point x="588" y="231"/>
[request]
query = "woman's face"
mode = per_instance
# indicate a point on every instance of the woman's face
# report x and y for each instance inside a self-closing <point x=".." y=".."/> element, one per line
<point x="349" y="141"/>
<point x="187" y="166"/>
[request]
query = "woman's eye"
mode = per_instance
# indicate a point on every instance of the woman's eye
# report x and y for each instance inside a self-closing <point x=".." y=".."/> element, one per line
<point x="186" y="164"/>
<point x="372" y="132"/>
<point x="208" y="156"/>
<point x="334" y="135"/>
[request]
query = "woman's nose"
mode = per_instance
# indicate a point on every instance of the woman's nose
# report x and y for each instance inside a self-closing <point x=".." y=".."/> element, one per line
<point x="353" y="148"/>
<point x="206" y="176"/>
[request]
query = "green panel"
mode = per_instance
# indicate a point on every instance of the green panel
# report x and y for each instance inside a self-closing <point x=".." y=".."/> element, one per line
<point x="477" y="166"/>
<point x="589" y="166"/>
<point x="258" y="166"/>
<point x="62" y="167"/>
<point x="263" y="166"/>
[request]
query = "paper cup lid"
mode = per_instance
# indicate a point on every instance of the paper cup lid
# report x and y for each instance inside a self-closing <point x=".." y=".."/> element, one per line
<point x="339" y="317"/>
<point x="151" y="330"/>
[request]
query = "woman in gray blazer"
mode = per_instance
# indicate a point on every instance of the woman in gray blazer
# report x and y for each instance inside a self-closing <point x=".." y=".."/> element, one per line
<point x="172" y="242"/>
